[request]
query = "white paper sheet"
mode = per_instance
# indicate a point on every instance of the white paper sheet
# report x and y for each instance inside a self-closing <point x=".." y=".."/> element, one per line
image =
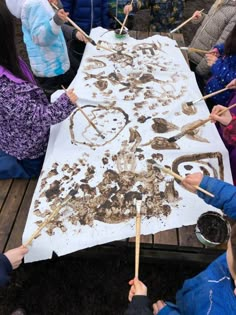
<point x="104" y="176"/>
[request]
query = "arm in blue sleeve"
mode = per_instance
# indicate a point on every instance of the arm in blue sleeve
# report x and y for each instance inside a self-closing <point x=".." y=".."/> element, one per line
<point x="169" y="309"/>
<point x="223" y="69"/>
<point x="5" y="270"/>
<point x="225" y="195"/>
<point x="220" y="48"/>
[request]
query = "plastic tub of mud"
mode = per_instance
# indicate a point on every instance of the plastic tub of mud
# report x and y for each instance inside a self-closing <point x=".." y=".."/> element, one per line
<point x="123" y="34"/>
<point x="212" y="229"/>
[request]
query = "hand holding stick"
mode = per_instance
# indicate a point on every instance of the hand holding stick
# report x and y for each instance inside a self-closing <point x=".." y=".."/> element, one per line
<point x="185" y="22"/>
<point x="125" y="19"/>
<point x="197" y="125"/>
<point x="87" y="118"/>
<point x="177" y="176"/>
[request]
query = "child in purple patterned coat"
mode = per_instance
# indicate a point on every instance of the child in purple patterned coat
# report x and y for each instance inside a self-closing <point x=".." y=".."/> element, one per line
<point x="25" y="113"/>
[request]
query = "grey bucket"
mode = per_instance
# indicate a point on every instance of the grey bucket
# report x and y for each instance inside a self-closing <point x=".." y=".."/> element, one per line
<point x="217" y="218"/>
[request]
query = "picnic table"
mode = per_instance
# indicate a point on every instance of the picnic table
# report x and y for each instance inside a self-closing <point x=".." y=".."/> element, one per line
<point x="179" y="243"/>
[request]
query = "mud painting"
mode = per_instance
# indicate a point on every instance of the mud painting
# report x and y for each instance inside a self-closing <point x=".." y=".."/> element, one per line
<point x="134" y="97"/>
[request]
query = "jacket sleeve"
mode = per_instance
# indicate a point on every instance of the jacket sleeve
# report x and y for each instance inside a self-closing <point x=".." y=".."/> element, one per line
<point x="227" y="73"/>
<point x="140" y="305"/>
<point x="229" y="132"/>
<point x="5" y="270"/>
<point x="43" y="29"/>
<point x="105" y="14"/>
<point x="225" y="195"/>
<point x="169" y="309"/>
<point x="220" y="48"/>
<point x="67" y="5"/>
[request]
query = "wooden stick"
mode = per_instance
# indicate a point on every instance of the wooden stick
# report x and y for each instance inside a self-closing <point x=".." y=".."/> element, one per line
<point x="85" y="115"/>
<point x="46" y="221"/>
<point x="118" y="21"/>
<point x="137" y="239"/>
<point x="191" y="49"/>
<point x="126" y="17"/>
<point x="197" y="125"/>
<point x="185" y="22"/>
<point x="207" y="96"/>
<point x="177" y="176"/>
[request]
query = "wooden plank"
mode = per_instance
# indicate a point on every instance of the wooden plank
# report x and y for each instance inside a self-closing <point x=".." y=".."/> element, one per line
<point x="5" y="185"/>
<point x="168" y="237"/>
<point x="187" y="237"/>
<point x="10" y="209"/>
<point x="144" y="239"/>
<point x="15" y="238"/>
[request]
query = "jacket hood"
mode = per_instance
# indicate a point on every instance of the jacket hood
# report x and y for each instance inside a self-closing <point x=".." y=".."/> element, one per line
<point x="15" y="7"/>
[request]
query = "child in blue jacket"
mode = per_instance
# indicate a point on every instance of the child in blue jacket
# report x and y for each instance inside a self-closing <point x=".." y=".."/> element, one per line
<point x="223" y="69"/>
<point x="212" y="292"/>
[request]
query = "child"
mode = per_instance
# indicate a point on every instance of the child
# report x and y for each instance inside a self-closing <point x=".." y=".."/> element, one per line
<point x="119" y="9"/>
<point x="227" y="130"/>
<point x="223" y="69"/>
<point x="45" y="43"/>
<point x="214" y="29"/>
<point x="8" y="261"/>
<point x="25" y="114"/>
<point x="88" y="13"/>
<point x="211" y="292"/>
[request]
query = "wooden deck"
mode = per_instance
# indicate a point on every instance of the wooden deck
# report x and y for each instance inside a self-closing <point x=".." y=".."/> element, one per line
<point x="179" y="244"/>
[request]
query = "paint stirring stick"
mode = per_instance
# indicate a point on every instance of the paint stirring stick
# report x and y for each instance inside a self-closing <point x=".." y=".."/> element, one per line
<point x="185" y="22"/>
<point x="137" y="239"/>
<point x="88" y="119"/>
<point x="197" y="125"/>
<point x="177" y="176"/>
<point x="119" y="22"/>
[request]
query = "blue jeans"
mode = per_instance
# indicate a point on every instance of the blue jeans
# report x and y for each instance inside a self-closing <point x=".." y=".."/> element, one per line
<point x="10" y="167"/>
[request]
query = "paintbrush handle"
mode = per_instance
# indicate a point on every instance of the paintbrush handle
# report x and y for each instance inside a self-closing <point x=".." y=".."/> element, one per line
<point x="177" y="176"/>
<point x="184" y="23"/>
<point x="126" y="17"/>
<point x="46" y="221"/>
<point x="197" y="125"/>
<point x="191" y="49"/>
<point x="86" y="116"/>
<point x="76" y="26"/>
<point x="137" y="244"/>
<point x="215" y="93"/>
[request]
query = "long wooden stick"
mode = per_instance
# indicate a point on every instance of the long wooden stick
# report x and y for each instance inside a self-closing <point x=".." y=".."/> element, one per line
<point x="192" y="49"/>
<point x="88" y="119"/>
<point x="177" y="176"/>
<point x="207" y="96"/>
<point x="197" y="125"/>
<point x="46" y="221"/>
<point x="118" y="21"/>
<point x="137" y="239"/>
<point x="184" y="23"/>
<point x="85" y="34"/>
<point x="125" y="19"/>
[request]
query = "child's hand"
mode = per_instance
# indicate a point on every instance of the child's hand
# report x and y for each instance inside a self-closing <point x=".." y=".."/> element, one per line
<point x="128" y="8"/>
<point x="215" y="52"/>
<point x="159" y="305"/>
<point x="81" y="37"/>
<point x="224" y="118"/>
<point x="211" y="59"/>
<point x="137" y="288"/>
<point x="197" y="15"/>
<point x="232" y="84"/>
<point x="192" y="180"/>
<point x="62" y="15"/>
<point x="72" y="96"/>
<point x="16" y="255"/>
